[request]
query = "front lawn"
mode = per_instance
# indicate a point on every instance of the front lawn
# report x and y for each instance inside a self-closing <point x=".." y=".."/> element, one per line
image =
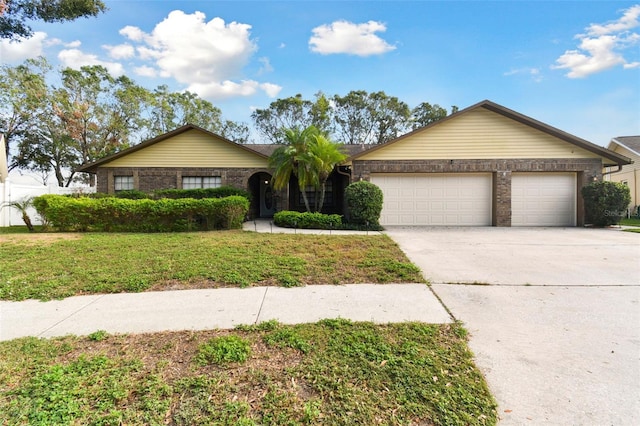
<point x="57" y="265"/>
<point x="334" y="372"/>
<point x="631" y="221"/>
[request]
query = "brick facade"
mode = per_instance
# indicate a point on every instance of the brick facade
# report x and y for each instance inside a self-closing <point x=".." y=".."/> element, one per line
<point x="586" y="170"/>
<point x="149" y="179"/>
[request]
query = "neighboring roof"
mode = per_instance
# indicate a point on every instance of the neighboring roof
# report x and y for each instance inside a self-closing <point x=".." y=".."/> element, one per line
<point x="91" y="167"/>
<point x="632" y="143"/>
<point x="523" y="119"/>
<point x="267" y="149"/>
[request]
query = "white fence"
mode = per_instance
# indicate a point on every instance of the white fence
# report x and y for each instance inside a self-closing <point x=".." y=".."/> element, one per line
<point x="12" y="192"/>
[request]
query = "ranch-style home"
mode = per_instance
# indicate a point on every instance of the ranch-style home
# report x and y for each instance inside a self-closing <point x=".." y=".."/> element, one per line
<point x="482" y="166"/>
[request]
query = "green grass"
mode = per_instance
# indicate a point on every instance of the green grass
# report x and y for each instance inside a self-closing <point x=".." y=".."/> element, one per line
<point x="632" y="221"/>
<point x="49" y="266"/>
<point x="334" y="372"/>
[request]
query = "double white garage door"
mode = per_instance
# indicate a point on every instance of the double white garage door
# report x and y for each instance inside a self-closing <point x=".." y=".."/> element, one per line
<point x="465" y="199"/>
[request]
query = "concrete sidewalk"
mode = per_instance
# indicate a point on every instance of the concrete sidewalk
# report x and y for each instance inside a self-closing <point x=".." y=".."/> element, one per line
<point x="219" y="308"/>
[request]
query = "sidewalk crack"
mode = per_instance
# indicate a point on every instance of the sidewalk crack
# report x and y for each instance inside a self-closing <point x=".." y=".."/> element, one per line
<point x="70" y="315"/>
<point x="264" y="297"/>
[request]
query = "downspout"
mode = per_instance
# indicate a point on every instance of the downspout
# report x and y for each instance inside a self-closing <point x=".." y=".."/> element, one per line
<point x="615" y="171"/>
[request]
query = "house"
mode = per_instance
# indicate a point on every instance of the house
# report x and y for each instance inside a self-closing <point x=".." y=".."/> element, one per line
<point x="629" y="146"/>
<point x="484" y="165"/>
<point x="192" y="157"/>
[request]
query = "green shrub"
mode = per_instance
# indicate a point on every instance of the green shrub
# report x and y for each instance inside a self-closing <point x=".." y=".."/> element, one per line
<point x="143" y="215"/>
<point x="605" y="203"/>
<point x="220" y="192"/>
<point x="364" y="203"/>
<point x="306" y="220"/>
<point x="131" y="194"/>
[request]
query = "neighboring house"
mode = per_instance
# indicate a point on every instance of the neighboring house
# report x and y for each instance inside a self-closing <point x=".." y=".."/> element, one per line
<point x="485" y="165"/>
<point x="629" y="146"/>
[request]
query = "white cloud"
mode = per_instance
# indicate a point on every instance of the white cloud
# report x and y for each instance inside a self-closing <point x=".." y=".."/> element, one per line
<point x="347" y="37"/>
<point x="132" y="33"/>
<point x="73" y="45"/>
<point x="266" y="66"/>
<point x="23" y="48"/>
<point x="271" y="89"/>
<point x="75" y="58"/>
<point x="534" y="73"/>
<point x="121" y="51"/>
<point x="146" y="71"/>
<point x="601" y="47"/>
<point x="227" y="89"/>
<point x="208" y="57"/>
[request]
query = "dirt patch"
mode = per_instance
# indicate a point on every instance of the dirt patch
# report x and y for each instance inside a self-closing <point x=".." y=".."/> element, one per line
<point x="35" y="239"/>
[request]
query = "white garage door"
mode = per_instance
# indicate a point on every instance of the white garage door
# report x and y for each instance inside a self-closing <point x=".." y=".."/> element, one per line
<point x="543" y="199"/>
<point x="436" y="199"/>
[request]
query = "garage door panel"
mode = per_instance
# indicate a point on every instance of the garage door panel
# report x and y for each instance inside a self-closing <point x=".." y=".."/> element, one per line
<point x="435" y="199"/>
<point x="543" y="199"/>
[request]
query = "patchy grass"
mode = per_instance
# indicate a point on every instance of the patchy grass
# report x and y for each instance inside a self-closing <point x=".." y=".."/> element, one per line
<point x="48" y="266"/>
<point x="330" y="373"/>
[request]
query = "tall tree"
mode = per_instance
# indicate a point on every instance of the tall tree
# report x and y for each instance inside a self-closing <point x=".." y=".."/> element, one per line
<point x="292" y="113"/>
<point x="425" y="114"/>
<point x="23" y="94"/>
<point x="390" y="116"/>
<point x="369" y="118"/>
<point x="14" y="14"/>
<point x="352" y="118"/>
<point x="98" y="112"/>
<point x="170" y="110"/>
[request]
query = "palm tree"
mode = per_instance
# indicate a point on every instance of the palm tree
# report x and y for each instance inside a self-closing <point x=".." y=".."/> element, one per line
<point x="23" y="207"/>
<point x="294" y="159"/>
<point x="310" y="157"/>
<point x="325" y="155"/>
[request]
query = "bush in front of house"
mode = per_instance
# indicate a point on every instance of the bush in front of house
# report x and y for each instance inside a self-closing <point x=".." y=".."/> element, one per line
<point x="306" y="220"/>
<point x="605" y="203"/>
<point x="199" y="193"/>
<point x="141" y="215"/>
<point x="364" y="204"/>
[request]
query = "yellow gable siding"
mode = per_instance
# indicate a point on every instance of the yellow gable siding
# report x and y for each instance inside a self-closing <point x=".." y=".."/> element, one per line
<point x="478" y="134"/>
<point x="190" y="149"/>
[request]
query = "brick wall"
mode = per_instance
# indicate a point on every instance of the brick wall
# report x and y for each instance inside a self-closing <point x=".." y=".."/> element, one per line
<point x="586" y="170"/>
<point x="154" y="178"/>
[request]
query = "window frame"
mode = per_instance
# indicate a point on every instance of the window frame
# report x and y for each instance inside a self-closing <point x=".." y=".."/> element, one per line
<point x="201" y="182"/>
<point x="123" y="183"/>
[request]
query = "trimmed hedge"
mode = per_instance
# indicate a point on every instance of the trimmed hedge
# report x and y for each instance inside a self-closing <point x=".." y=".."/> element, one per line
<point x="220" y="192"/>
<point x="605" y="202"/>
<point x="142" y="215"/>
<point x="291" y="219"/>
<point x="364" y="203"/>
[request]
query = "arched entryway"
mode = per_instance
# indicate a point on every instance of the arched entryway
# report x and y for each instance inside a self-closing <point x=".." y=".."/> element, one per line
<point x="263" y="203"/>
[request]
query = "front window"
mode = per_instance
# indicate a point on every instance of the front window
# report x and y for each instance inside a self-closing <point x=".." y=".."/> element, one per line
<point x="197" y="182"/>
<point x="123" y="183"/>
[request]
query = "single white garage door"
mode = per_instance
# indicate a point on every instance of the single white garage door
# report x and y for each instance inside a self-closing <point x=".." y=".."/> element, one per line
<point x="436" y="199"/>
<point x="543" y="199"/>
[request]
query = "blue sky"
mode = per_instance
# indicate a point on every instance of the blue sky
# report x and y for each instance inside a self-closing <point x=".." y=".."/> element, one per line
<point x="574" y="65"/>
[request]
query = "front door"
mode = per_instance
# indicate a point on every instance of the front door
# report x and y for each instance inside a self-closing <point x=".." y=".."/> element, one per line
<point x="267" y="202"/>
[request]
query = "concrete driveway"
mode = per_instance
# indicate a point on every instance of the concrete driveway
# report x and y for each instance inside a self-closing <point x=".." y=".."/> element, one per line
<point x="553" y="314"/>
